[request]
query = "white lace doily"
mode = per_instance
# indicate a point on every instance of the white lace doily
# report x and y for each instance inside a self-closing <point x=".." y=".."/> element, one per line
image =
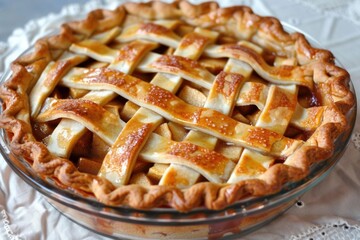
<point x="337" y="230"/>
<point x="329" y="211"/>
<point x="356" y="140"/>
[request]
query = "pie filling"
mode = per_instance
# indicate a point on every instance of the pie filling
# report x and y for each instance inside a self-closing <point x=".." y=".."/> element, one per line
<point x="197" y="106"/>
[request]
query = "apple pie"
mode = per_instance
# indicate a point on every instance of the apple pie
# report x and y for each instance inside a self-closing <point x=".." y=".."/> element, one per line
<point x="174" y="105"/>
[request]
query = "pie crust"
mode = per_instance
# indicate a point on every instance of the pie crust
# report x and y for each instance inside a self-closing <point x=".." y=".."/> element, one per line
<point x="219" y="104"/>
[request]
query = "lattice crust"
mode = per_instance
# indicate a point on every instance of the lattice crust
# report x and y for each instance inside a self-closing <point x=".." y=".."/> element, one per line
<point x="177" y="105"/>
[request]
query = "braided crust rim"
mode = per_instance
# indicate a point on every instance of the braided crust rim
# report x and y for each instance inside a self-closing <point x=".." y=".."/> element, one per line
<point x="332" y="83"/>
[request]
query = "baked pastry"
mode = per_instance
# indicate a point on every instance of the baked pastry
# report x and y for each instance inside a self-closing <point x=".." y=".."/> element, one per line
<point x="174" y="105"/>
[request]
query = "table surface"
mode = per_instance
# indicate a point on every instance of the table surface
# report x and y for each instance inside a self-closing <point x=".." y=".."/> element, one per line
<point x="332" y="202"/>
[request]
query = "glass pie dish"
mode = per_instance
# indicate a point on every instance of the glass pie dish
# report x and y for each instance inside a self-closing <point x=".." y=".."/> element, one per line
<point x="199" y="223"/>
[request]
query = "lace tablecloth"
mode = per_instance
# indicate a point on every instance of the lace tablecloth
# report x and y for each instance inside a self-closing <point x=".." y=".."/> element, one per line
<point x="331" y="210"/>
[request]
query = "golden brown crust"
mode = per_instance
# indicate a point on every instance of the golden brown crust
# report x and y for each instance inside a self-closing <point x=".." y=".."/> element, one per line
<point x="331" y="82"/>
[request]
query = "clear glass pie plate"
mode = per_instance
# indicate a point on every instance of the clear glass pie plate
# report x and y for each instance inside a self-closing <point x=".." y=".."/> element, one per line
<point x="163" y="223"/>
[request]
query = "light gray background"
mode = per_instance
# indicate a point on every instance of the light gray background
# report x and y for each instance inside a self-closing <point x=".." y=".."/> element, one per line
<point x="16" y="13"/>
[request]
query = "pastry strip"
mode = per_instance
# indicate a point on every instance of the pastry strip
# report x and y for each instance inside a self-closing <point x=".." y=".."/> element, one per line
<point x="212" y="165"/>
<point x="285" y="74"/>
<point x="91" y="115"/>
<point x="49" y="79"/>
<point x="127" y="145"/>
<point x="159" y="31"/>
